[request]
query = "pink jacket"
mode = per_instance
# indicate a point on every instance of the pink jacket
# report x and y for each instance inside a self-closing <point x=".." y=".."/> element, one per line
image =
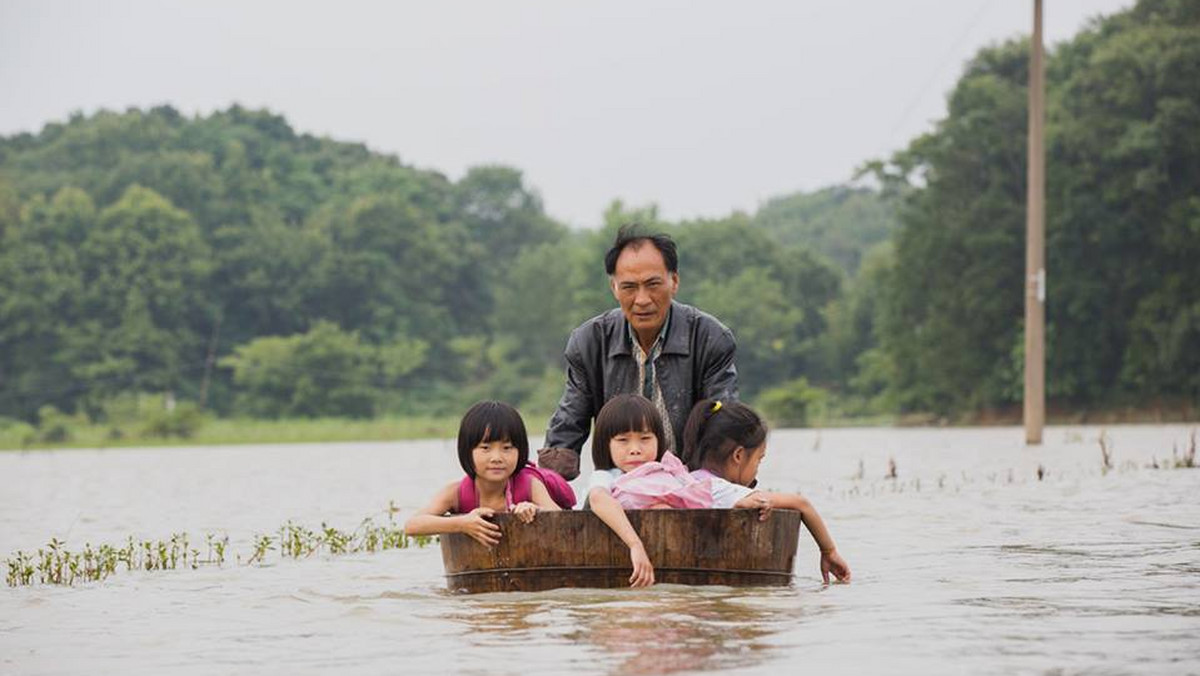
<point x="662" y="484"/>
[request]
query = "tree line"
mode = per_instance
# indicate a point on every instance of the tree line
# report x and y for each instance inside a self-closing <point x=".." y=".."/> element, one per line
<point x="233" y="263"/>
<point x="1122" y="227"/>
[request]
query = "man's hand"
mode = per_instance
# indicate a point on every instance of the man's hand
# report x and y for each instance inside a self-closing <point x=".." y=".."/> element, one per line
<point x="561" y="460"/>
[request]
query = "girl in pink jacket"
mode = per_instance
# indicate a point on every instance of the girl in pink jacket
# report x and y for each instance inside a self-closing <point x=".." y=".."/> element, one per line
<point x="634" y="471"/>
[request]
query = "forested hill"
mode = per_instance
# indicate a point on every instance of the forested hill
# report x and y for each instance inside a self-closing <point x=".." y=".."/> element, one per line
<point x="134" y="240"/>
<point x="238" y="265"/>
<point x="841" y="223"/>
<point x="320" y="277"/>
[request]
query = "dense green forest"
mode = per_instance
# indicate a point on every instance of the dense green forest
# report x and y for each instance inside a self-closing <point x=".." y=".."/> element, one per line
<point x="1122" y="226"/>
<point x="238" y="265"/>
<point x="233" y="265"/>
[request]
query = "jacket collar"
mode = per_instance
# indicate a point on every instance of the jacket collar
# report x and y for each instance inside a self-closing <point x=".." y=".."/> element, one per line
<point x="675" y="342"/>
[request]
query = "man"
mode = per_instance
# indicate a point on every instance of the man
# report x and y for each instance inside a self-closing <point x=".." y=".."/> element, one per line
<point x="671" y="353"/>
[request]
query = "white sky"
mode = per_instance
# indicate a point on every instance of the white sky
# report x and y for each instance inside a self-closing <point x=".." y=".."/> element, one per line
<point x="700" y="107"/>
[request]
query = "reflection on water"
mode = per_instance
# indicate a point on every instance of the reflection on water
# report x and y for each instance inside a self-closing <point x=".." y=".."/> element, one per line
<point x="967" y="562"/>
<point x="671" y="629"/>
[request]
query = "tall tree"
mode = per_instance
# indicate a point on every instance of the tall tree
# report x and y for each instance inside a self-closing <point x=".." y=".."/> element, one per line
<point x="143" y="304"/>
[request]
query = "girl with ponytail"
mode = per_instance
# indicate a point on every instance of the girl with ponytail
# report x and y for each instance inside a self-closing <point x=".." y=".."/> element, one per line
<point x="725" y="442"/>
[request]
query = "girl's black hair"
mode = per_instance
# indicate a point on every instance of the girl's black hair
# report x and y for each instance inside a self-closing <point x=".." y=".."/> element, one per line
<point x="625" y="413"/>
<point x="715" y="429"/>
<point x="491" y="421"/>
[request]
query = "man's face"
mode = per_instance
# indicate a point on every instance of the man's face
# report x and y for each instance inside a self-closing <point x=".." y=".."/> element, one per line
<point x="644" y="288"/>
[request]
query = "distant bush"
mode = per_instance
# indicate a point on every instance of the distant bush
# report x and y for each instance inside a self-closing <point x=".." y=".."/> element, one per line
<point x="128" y="408"/>
<point x="56" y="427"/>
<point x="325" y="372"/>
<point x="792" y="404"/>
<point x="182" y="422"/>
<point x="15" y="433"/>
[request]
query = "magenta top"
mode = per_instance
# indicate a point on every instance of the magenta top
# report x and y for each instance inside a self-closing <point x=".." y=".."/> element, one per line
<point x="519" y="488"/>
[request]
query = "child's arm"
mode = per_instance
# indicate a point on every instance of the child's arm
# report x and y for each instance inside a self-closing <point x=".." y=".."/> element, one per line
<point x="610" y="512"/>
<point x="539" y="499"/>
<point x="432" y="519"/>
<point x="831" y="560"/>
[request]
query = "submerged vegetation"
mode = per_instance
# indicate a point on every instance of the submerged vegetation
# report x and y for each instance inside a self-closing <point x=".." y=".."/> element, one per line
<point x="55" y="564"/>
<point x="863" y="485"/>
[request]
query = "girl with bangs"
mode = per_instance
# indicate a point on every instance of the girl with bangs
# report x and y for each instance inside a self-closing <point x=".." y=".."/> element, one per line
<point x="493" y="450"/>
<point x="635" y="471"/>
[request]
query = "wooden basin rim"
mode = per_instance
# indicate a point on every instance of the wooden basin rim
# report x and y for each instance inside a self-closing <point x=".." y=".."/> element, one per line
<point x="576" y="549"/>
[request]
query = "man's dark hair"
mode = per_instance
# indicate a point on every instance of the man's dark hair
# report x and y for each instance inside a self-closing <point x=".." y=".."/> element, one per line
<point x="491" y="421"/>
<point x="625" y="413"/>
<point x="631" y="233"/>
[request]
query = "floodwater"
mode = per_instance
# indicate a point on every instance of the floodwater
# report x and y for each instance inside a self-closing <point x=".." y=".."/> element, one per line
<point x="965" y="563"/>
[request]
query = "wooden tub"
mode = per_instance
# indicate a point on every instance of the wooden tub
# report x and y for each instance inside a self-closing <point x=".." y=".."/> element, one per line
<point x="575" y="549"/>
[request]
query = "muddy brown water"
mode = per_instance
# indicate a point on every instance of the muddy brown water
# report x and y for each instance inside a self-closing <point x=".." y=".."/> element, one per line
<point x="965" y="563"/>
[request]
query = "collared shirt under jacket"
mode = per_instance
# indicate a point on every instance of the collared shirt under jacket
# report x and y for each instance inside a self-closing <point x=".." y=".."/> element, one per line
<point x="696" y="362"/>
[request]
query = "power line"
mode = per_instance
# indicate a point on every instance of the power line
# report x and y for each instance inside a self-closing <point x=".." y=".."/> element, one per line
<point x="941" y="67"/>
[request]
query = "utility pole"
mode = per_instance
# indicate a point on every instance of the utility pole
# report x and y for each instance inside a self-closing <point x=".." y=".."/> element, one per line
<point x="1035" y="245"/>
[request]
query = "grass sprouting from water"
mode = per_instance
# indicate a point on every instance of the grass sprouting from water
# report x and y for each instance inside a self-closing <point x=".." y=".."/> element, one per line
<point x="1106" y="455"/>
<point x="55" y="564"/>
<point x="1188" y="461"/>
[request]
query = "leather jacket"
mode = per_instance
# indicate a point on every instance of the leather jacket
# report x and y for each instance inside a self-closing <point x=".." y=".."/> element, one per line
<point x="696" y="363"/>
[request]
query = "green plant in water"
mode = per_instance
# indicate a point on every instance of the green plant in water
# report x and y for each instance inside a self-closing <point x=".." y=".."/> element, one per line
<point x="56" y="565"/>
<point x="262" y="545"/>
<point x="1188" y="461"/>
<point x="216" y="549"/>
<point x="1106" y="456"/>
<point x="337" y="541"/>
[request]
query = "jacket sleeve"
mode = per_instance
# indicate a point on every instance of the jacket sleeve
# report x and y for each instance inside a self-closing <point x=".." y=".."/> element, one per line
<point x="719" y="378"/>
<point x="572" y="421"/>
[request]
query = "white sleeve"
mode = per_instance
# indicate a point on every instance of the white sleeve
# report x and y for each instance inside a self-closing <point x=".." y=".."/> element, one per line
<point x="601" y="478"/>
<point x="726" y="494"/>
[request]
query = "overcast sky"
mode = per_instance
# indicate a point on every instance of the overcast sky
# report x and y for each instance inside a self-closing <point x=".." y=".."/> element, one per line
<point x="700" y="107"/>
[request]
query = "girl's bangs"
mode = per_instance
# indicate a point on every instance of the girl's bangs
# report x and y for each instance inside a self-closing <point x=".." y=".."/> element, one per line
<point x="504" y="424"/>
<point x="635" y="421"/>
<point x="500" y="435"/>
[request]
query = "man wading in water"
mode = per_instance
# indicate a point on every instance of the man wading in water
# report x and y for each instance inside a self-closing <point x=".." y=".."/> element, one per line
<point x="670" y="353"/>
